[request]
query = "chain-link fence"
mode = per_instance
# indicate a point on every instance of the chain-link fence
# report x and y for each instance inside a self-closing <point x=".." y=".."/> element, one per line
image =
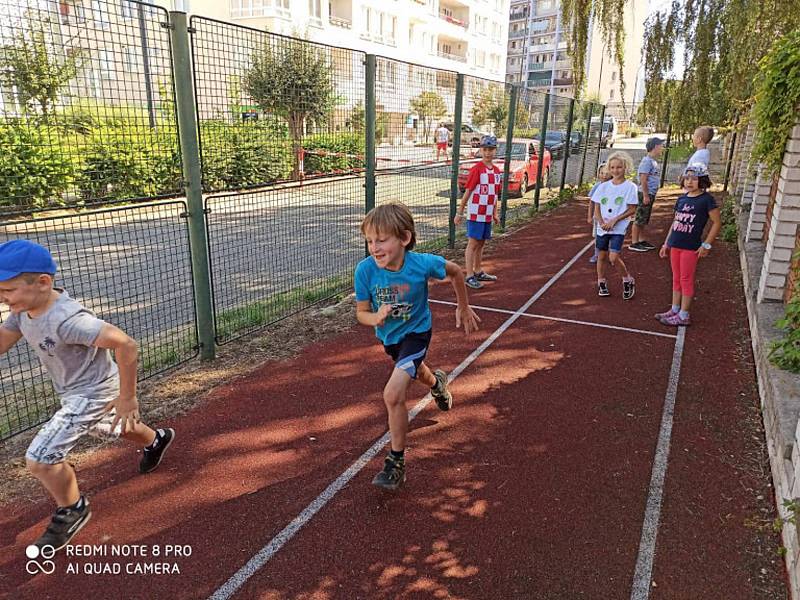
<point x="293" y="142"/>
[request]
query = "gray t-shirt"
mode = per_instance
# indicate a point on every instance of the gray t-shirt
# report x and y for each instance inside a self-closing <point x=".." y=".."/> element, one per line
<point x="649" y="165"/>
<point x="63" y="338"/>
<point x="700" y="156"/>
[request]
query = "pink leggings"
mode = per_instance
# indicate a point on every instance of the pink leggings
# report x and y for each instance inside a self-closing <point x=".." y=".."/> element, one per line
<point x="684" y="264"/>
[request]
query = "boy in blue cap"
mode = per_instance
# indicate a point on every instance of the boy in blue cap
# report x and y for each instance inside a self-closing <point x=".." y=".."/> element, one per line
<point x="97" y="394"/>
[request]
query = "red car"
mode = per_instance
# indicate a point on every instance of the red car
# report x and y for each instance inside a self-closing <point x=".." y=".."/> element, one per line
<point x="524" y="164"/>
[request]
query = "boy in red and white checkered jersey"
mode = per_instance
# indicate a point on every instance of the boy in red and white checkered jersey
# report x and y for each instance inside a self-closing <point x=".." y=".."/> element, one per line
<point x="483" y="189"/>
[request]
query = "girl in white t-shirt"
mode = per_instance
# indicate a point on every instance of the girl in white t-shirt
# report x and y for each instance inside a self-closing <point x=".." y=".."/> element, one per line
<point x="614" y="203"/>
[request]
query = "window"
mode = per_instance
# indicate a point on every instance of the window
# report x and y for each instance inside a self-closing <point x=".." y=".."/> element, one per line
<point x="100" y="15"/>
<point x="107" y="64"/>
<point x="315" y="9"/>
<point x="613" y="76"/>
<point x="129" y="10"/>
<point x="130" y="60"/>
<point x="611" y="95"/>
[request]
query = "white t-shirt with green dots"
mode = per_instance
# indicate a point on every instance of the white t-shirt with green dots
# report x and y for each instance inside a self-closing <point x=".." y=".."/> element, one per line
<point x="615" y="200"/>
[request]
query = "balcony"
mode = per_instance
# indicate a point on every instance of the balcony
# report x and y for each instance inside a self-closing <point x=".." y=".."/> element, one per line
<point x="449" y="56"/>
<point x="454" y="20"/>
<point x="339" y="22"/>
<point x="341" y="13"/>
<point x="517" y="34"/>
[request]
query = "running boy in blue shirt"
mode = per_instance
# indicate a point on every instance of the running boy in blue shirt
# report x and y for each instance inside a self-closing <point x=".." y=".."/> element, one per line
<point x="392" y="296"/>
<point x="97" y="394"/>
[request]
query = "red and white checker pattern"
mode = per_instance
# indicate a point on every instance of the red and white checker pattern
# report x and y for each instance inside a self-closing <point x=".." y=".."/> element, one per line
<point x="488" y="186"/>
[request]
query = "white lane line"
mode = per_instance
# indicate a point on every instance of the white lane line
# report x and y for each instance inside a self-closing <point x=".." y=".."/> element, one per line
<point x="239" y="578"/>
<point x="559" y="319"/>
<point x="647" y="545"/>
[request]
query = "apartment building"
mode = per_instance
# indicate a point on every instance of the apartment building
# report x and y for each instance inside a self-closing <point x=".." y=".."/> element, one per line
<point x="537" y="52"/>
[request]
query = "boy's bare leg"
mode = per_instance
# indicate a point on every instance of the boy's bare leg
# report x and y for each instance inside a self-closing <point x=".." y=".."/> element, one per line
<point x="601" y="264"/>
<point x="58" y="479"/>
<point x="637" y="233"/>
<point x="425" y="376"/>
<point x="394" y="396"/>
<point x="617" y="262"/>
<point x="478" y="260"/>
<point x="141" y="434"/>
<point x="469" y="256"/>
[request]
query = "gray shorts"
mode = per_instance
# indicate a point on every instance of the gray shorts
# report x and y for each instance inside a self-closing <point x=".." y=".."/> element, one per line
<point x="78" y="416"/>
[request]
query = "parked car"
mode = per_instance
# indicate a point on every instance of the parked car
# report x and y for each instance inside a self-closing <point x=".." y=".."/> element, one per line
<point x="469" y="134"/>
<point x="555" y="142"/>
<point x="575" y="141"/>
<point x="523" y="169"/>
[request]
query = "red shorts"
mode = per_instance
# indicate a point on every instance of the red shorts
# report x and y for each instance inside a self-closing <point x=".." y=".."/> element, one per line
<point x="441" y="145"/>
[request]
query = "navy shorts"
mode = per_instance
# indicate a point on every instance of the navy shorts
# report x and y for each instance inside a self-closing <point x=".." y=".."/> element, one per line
<point x="478" y="230"/>
<point x="409" y="352"/>
<point x="609" y="242"/>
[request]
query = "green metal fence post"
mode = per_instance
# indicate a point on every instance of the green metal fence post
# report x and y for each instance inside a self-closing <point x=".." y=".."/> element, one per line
<point x="600" y="139"/>
<point x="190" y="156"/>
<point x="666" y="156"/>
<point x="451" y="226"/>
<point x="540" y="164"/>
<point x="569" y="145"/>
<point x="369" y="142"/>
<point x="512" y="117"/>
<point x="586" y="143"/>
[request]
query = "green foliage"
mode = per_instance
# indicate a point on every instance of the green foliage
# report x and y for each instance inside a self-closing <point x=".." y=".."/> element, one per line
<point x="121" y="163"/>
<point x="608" y="16"/>
<point x="34" y="169"/>
<point x="33" y="65"/>
<point x="349" y="144"/>
<point x="785" y="352"/>
<point x="730" y="228"/>
<point x="490" y="108"/>
<point x="292" y="80"/>
<point x="428" y="106"/>
<point x="777" y="100"/>
<point x="237" y="155"/>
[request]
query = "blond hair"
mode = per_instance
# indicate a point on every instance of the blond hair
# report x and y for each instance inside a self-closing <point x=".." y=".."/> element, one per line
<point x="601" y="167"/>
<point x="705" y="133"/>
<point x="394" y="219"/>
<point x="626" y="159"/>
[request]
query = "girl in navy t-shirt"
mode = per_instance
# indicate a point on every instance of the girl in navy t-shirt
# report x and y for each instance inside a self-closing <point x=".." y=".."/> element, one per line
<point x="684" y="241"/>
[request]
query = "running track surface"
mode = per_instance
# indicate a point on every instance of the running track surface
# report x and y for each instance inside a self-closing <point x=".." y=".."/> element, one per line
<point x="540" y="483"/>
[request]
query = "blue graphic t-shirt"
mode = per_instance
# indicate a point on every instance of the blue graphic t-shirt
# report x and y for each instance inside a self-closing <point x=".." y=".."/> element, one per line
<point x="406" y="290"/>
<point x="691" y="216"/>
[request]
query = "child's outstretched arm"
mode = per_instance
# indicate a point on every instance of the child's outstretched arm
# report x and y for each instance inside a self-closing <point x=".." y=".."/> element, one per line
<point x="464" y="313"/>
<point x="126" y="354"/>
<point x="7" y="339"/>
<point x="365" y="316"/>
<point x="460" y="212"/>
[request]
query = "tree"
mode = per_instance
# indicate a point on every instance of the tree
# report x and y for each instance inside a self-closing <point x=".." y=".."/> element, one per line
<point x="33" y="67"/>
<point x="292" y="80"/>
<point x="490" y="107"/>
<point x="428" y="106"/>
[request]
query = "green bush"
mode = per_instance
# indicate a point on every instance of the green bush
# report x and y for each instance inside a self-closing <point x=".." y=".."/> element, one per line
<point x="730" y="230"/>
<point x="633" y="132"/>
<point x="785" y="352"/>
<point x="237" y="155"/>
<point x="347" y="153"/>
<point x="34" y="169"/>
<point x="123" y="162"/>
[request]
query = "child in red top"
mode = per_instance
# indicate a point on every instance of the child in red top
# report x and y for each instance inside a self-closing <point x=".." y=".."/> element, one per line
<point x="483" y="189"/>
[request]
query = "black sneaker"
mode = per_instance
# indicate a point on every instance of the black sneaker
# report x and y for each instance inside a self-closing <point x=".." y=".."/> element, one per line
<point x="151" y="457"/>
<point x="66" y="522"/>
<point x="473" y="282"/>
<point x="646" y="245"/>
<point x="637" y="247"/>
<point x="602" y="289"/>
<point x="440" y="392"/>
<point x="393" y="474"/>
<point x="483" y="276"/>
<point x="628" y="289"/>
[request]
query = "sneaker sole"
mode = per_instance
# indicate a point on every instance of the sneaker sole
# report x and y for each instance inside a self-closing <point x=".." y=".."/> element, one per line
<point x="74" y="533"/>
<point x="160" y="458"/>
<point x="624" y="297"/>
<point x="444" y="404"/>
<point x="390" y="486"/>
<point x="602" y="295"/>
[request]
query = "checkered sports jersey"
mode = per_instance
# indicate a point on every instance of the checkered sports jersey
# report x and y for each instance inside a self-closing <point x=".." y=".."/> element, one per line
<point x="486" y="184"/>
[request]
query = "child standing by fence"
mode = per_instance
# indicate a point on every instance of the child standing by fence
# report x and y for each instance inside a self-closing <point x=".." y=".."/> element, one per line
<point x="684" y="242"/>
<point x="392" y="296"/>
<point x="97" y="394"/>
<point x="482" y="191"/>
<point x="602" y="176"/>
<point x="614" y="202"/>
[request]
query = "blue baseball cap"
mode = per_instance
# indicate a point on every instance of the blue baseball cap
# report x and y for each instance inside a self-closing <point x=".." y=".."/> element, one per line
<point x="653" y="142"/>
<point x="489" y="141"/>
<point x="23" y="256"/>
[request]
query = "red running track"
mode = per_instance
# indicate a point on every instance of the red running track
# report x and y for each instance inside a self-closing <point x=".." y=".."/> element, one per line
<point x="535" y="485"/>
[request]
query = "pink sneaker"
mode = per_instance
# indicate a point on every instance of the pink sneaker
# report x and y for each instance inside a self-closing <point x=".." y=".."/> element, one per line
<point x="664" y="315"/>
<point x="675" y="321"/>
